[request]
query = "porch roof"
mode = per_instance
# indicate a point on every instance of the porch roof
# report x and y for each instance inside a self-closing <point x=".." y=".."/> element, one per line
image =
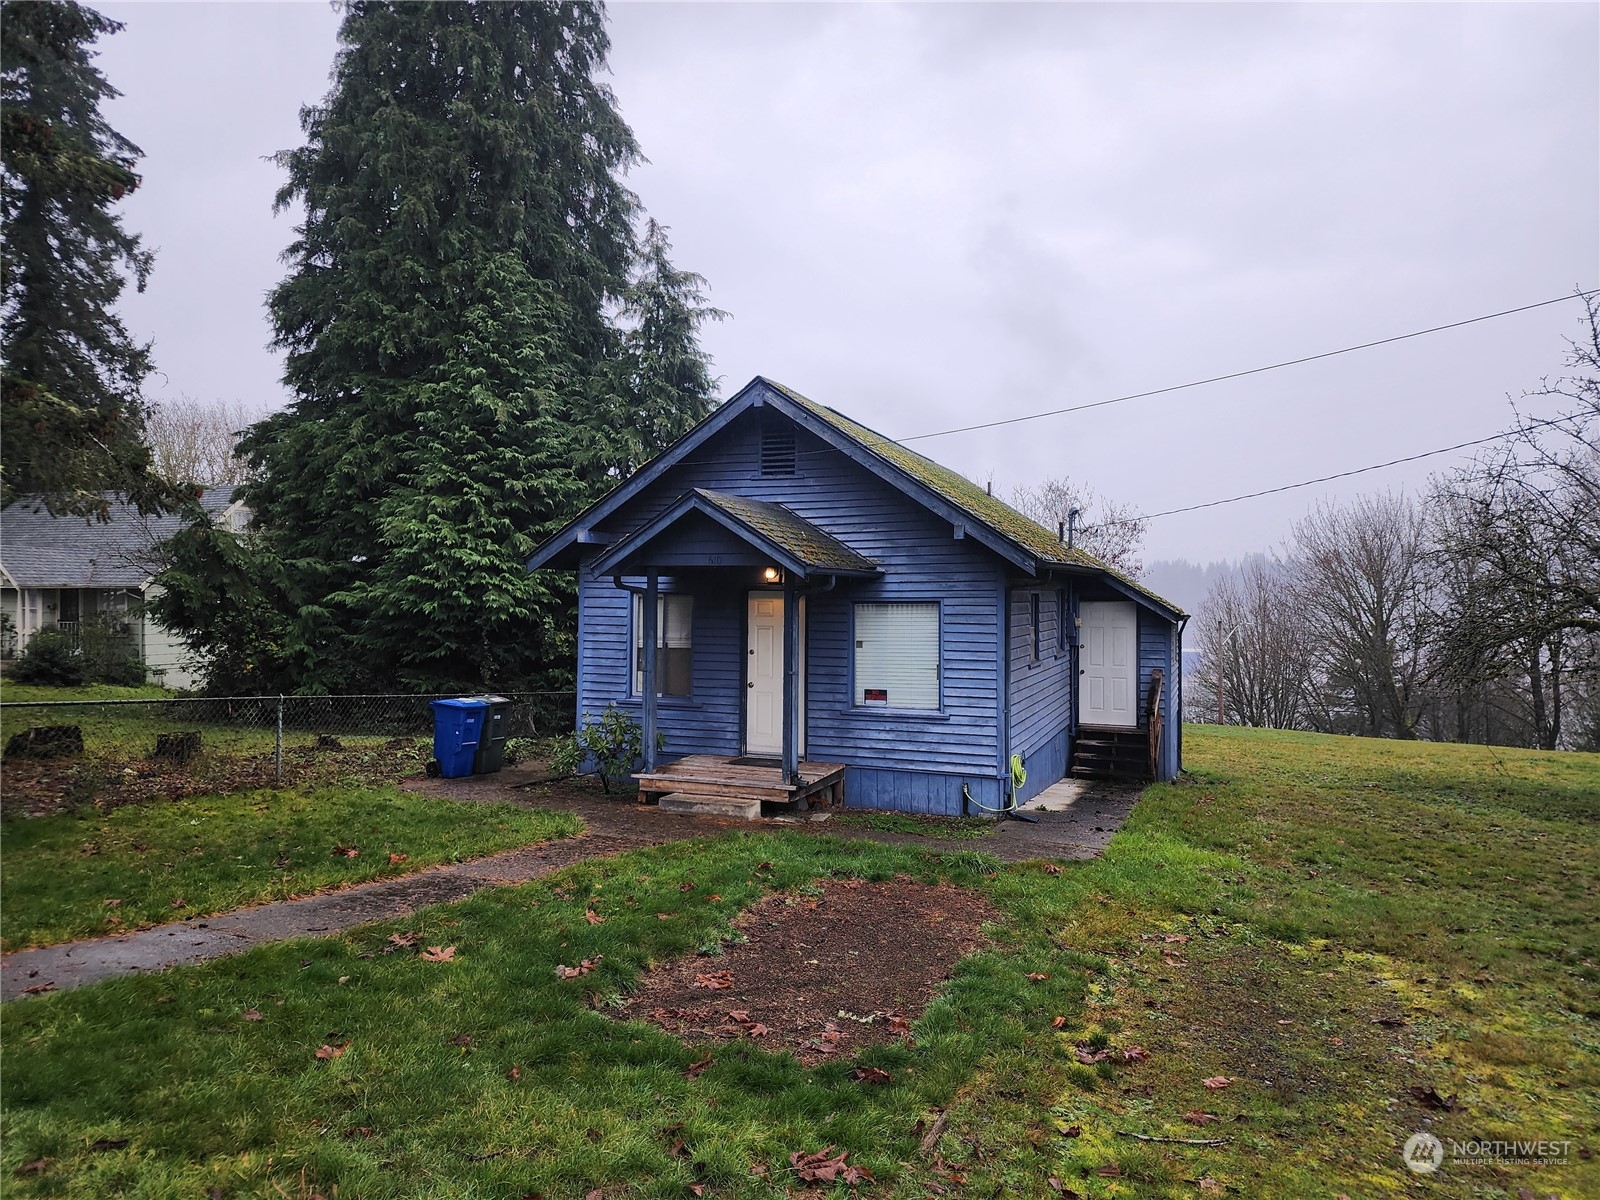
<point x="789" y="541"/>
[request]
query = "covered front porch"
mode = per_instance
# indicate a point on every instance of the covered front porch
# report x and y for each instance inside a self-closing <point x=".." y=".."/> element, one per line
<point x="760" y="561"/>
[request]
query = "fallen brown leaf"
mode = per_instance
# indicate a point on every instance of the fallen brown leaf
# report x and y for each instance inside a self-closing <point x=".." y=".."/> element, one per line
<point x="1217" y="1081"/>
<point x="870" y="1075"/>
<point x="695" y="1069"/>
<point x="1051" y="869"/>
<point x="1135" y="1054"/>
<point x="593" y="917"/>
<point x="37" y="1167"/>
<point x="1109" y="1171"/>
<point x="583" y="968"/>
<point x="714" y="981"/>
<point x="1037" y="976"/>
<point x="345" y="851"/>
<point x="35" y="989"/>
<point x="827" y="1167"/>
<point x="514" y="1074"/>
<point x="326" y="1052"/>
<point x="253" y="1014"/>
<point x="1058" y="1023"/>
<point x="1208" y="1184"/>
<point x="1200" y="1117"/>
<point x="396" y="859"/>
<point x="438" y="954"/>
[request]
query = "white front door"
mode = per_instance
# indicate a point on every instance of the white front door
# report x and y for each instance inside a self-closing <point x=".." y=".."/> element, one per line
<point x="1108" y="664"/>
<point x="763" y="721"/>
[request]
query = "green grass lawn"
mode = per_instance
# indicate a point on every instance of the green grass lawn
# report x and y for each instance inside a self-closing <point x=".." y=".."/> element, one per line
<point x="956" y="828"/>
<point x="24" y="693"/>
<point x="1323" y="922"/>
<point x="123" y="733"/>
<point x="93" y="872"/>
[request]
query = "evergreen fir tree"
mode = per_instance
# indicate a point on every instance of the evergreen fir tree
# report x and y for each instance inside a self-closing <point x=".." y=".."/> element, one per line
<point x="448" y="323"/>
<point x="669" y="385"/>
<point x="70" y="397"/>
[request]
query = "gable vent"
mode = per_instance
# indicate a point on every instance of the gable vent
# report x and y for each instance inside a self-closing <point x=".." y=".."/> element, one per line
<point x="777" y="450"/>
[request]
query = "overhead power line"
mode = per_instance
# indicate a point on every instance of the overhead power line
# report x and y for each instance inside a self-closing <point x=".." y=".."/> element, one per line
<point x="1393" y="462"/>
<point x="1293" y="362"/>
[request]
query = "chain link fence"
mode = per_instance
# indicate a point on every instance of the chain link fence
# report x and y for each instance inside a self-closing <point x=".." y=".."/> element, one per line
<point x="65" y="753"/>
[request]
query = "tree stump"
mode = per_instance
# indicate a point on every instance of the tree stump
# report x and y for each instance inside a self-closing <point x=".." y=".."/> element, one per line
<point x="46" y="741"/>
<point x="178" y="747"/>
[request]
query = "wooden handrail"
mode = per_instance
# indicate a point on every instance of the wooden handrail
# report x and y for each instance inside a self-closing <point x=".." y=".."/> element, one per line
<point x="1152" y="717"/>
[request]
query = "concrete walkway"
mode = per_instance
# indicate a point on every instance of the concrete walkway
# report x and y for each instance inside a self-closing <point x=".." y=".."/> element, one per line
<point x="1076" y="829"/>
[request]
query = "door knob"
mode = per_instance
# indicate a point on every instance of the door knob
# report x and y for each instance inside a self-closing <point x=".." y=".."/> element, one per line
<point x="751" y="684"/>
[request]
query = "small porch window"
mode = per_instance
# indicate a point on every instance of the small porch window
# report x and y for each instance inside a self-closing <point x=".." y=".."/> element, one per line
<point x="674" y="644"/>
<point x="897" y="655"/>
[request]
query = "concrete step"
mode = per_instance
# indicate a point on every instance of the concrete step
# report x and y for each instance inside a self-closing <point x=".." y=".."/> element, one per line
<point x="747" y="809"/>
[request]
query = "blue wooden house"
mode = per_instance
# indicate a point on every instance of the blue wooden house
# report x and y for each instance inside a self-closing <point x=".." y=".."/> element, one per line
<point x="832" y="615"/>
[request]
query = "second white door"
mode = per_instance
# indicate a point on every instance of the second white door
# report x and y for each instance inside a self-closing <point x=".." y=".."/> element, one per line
<point x="1108" y="663"/>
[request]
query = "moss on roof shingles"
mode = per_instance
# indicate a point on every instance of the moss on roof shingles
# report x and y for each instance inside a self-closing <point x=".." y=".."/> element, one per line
<point x="793" y="533"/>
<point x="960" y="491"/>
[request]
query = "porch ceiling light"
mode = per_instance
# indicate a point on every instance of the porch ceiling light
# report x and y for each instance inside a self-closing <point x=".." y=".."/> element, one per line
<point x="772" y="574"/>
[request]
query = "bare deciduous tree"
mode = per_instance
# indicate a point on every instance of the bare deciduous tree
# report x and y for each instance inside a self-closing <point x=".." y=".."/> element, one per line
<point x="1254" y="651"/>
<point x="1111" y="532"/>
<point x="1359" y="584"/>
<point x="192" y="441"/>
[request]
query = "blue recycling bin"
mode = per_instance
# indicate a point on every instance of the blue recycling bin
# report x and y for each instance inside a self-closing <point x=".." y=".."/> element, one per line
<point x="457" y="730"/>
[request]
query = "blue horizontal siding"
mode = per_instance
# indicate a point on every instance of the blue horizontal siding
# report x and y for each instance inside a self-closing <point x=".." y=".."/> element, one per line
<point x="921" y="559"/>
<point x="1041" y="687"/>
<point x="1046" y="764"/>
<point x="931" y="793"/>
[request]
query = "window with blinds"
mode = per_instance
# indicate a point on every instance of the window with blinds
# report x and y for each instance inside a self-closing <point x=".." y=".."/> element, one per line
<point x="674" y="645"/>
<point x="897" y="655"/>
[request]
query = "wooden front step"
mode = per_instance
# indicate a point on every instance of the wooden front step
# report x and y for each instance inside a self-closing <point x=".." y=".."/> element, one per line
<point x="710" y="806"/>
<point x="690" y="785"/>
<point x="1103" y="753"/>
<point x="716" y="777"/>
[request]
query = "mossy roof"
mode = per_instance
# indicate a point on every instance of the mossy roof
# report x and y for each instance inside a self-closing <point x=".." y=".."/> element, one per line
<point x="794" y="534"/>
<point x="967" y="496"/>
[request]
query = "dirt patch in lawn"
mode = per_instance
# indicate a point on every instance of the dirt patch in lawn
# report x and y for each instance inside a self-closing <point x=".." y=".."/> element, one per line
<point x="821" y="975"/>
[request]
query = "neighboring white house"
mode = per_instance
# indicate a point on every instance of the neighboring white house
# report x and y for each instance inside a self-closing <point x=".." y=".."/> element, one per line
<point x="55" y="572"/>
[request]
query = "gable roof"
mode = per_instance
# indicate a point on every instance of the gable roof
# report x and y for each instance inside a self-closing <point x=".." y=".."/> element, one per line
<point x="38" y="549"/>
<point x="795" y="543"/>
<point x="1026" y="543"/>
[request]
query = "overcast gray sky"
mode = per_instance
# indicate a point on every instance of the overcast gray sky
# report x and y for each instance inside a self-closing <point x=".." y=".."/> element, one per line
<point x="928" y="215"/>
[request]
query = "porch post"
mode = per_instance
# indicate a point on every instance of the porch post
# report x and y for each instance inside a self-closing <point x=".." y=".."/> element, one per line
<point x="791" y="681"/>
<point x="649" y="637"/>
